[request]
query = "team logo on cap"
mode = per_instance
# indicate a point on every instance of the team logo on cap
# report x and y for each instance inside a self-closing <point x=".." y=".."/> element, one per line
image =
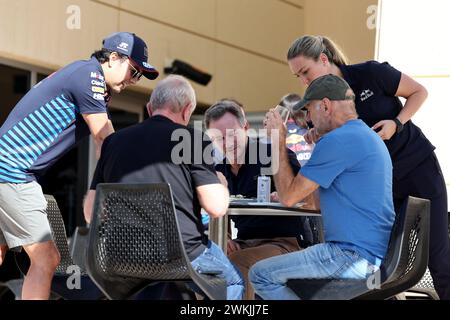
<point x="145" y="52"/>
<point x="145" y="64"/>
<point x="123" y="46"/>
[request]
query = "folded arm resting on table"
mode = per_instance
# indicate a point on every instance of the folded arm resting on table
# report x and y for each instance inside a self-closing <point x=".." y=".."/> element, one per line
<point x="310" y="202"/>
<point x="293" y="189"/>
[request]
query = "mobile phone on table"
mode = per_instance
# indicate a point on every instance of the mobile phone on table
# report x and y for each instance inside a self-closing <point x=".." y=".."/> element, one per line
<point x="210" y="272"/>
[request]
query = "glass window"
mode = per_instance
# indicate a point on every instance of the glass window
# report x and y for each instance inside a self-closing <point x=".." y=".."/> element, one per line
<point x="41" y="77"/>
<point x="14" y="83"/>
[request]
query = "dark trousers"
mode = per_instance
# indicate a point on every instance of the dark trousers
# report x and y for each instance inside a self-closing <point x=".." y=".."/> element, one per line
<point x="426" y="181"/>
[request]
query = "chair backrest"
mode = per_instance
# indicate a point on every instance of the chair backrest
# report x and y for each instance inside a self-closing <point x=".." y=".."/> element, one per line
<point x="424" y="287"/>
<point x="59" y="237"/>
<point x="134" y="239"/>
<point x="426" y="282"/>
<point x="59" y="234"/>
<point x="59" y="288"/>
<point x="407" y="256"/>
<point x="78" y="244"/>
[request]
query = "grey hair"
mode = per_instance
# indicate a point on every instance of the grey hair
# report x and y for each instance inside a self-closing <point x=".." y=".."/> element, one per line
<point x="312" y="46"/>
<point x="173" y="92"/>
<point x="349" y="103"/>
<point x="289" y="100"/>
<point x="221" y="107"/>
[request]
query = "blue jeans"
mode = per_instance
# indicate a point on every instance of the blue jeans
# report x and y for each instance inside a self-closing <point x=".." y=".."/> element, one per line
<point x="214" y="260"/>
<point x="325" y="260"/>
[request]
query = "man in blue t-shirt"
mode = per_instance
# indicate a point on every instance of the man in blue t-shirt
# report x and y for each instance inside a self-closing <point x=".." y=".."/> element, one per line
<point x="46" y="123"/>
<point x="351" y="167"/>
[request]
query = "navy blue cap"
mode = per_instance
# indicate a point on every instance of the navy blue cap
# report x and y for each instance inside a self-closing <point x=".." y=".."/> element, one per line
<point x="132" y="46"/>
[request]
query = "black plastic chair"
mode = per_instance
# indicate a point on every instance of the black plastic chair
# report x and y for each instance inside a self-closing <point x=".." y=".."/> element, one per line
<point x="11" y="288"/>
<point x="59" y="236"/>
<point x="424" y="287"/>
<point x="403" y="266"/>
<point x="134" y="240"/>
<point x="66" y="268"/>
<point x="78" y="244"/>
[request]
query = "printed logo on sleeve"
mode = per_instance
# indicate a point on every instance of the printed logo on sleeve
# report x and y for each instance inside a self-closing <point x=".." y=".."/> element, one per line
<point x="98" y="96"/>
<point x="98" y="89"/>
<point x="98" y="83"/>
<point x="96" y="75"/>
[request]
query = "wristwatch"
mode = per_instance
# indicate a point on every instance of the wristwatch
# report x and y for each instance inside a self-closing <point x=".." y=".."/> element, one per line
<point x="399" y="125"/>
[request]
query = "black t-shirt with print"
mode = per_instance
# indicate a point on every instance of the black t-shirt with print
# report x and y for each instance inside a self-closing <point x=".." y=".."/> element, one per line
<point x="375" y="85"/>
<point x="143" y="154"/>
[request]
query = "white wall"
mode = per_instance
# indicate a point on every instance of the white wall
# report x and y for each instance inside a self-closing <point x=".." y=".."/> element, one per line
<point x="413" y="37"/>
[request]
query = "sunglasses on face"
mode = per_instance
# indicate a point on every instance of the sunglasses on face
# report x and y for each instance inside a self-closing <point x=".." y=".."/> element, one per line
<point x="135" y="74"/>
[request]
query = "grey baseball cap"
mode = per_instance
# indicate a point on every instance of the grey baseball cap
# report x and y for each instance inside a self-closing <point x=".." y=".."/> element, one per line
<point x="328" y="86"/>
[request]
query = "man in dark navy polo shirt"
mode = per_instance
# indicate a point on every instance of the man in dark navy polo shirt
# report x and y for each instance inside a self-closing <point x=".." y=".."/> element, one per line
<point x="46" y="123"/>
<point x="258" y="237"/>
<point x="146" y="153"/>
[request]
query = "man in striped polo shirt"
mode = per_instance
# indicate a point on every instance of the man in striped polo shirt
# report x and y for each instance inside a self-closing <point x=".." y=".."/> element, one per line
<point x="47" y="122"/>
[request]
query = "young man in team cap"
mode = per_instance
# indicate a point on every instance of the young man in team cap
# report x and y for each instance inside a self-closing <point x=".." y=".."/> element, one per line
<point x="47" y="122"/>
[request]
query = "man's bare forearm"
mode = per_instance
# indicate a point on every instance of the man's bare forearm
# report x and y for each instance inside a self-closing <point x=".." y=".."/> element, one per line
<point x="282" y="174"/>
<point x="291" y="187"/>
